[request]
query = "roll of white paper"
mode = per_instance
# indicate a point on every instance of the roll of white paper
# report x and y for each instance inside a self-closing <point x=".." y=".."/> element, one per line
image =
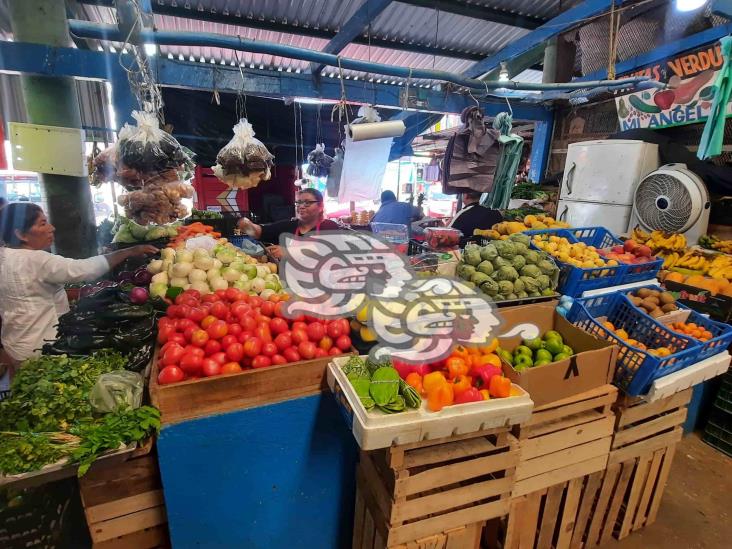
<point x="376" y="130"/>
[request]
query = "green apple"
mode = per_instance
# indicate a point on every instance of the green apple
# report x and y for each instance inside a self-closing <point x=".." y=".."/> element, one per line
<point x="541" y="363"/>
<point x="553" y="345"/>
<point x="523" y="350"/>
<point x="567" y="350"/>
<point x="543" y="355"/>
<point x="521" y="362"/>
<point x="553" y="334"/>
<point x="533" y="344"/>
<point x="505" y="355"/>
<point x="560" y="356"/>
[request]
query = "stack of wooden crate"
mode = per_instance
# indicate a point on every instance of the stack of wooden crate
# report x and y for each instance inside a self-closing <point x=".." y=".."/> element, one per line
<point x="124" y="505"/>
<point x="563" y="453"/>
<point x="434" y="493"/>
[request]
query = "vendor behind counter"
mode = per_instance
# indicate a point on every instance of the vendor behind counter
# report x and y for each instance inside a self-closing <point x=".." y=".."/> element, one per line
<point x="474" y="216"/>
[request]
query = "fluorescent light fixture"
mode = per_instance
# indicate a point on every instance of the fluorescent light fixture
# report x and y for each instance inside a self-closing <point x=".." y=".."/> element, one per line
<point x="151" y="49"/>
<point x="503" y="75"/>
<point x="689" y="5"/>
<point x="314" y="101"/>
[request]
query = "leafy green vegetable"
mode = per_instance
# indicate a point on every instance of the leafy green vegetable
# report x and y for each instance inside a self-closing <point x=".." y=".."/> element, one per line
<point x="384" y="385"/>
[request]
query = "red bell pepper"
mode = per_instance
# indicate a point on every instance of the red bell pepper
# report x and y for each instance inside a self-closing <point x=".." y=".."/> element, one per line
<point x="470" y="395"/>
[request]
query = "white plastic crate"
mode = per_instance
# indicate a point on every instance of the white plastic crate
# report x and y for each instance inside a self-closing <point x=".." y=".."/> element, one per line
<point x="375" y="429"/>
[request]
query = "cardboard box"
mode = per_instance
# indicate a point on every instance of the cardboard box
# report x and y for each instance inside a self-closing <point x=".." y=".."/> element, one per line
<point x="593" y="364"/>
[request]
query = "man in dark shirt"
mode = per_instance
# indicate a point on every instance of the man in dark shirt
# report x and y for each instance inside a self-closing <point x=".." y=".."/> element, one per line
<point x="309" y="219"/>
<point x="474" y="216"/>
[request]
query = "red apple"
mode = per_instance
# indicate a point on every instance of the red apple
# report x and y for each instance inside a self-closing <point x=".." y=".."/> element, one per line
<point x="630" y="245"/>
<point x="643" y="251"/>
<point x="617" y="249"/>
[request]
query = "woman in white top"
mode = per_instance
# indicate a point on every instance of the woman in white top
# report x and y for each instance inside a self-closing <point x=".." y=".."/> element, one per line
<point x="32" y="295"/>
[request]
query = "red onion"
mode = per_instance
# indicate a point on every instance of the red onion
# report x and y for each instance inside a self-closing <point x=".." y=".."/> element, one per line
<point x="139" y="295"/>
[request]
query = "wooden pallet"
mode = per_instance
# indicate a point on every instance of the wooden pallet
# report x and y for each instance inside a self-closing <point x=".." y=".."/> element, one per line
<point x="564" y="440"/>
<point x="124" y="506"/>
<point x="438" y="488"/>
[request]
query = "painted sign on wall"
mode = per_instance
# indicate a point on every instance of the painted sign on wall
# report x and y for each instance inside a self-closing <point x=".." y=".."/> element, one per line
<point x="691" y="77"/>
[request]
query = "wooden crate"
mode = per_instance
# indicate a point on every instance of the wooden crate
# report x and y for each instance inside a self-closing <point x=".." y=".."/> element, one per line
<point x="566" y="439"/>
<point x="124" y="505"/>
<point x="439" y="488"/>
<point x="219" y="394"/>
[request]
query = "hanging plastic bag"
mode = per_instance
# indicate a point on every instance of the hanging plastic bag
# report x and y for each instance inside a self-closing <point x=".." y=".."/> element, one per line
<point x="367" y="113"/>
<point x="159" y="202"/>
<point x="244" y="162"/>
<point x="104" y="166"/>
<point x="116" y="390"/>
<point x="333" y="183"/>
<point x="318" y="162"/>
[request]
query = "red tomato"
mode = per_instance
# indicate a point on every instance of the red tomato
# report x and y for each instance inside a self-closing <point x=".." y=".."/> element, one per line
<point x="335" y="330"/>
<point x="279" y="359"/>
<point x="335" y="351"/>
<point x="325" y="343"/>
<point x="278" y="325"/>
<point x="232" y="294"/>
<point x="246" y="362"/>
<point x="166" y="347"/>
<point x="343" y="343"/>
<point x="219" y="309"/>
<point x="227" y="340"/>
<point x="188" y="332"/>
<point x="269" y="349"/>
<point x="186" y="300"/>
<point x="173" y="311"/>
<point x="291" y="354"/>
<point x="170" y="374"/>
<point x="210" y="298"/>
<point x="299" y="325"/>
<point x="299" y="336"/>
<point x="248" y="323"/>
<point x="261" y="361"/>
<point x="242" y="337"/>
<point x="177" y="338"/>
<point x="173" y="355"/>
<point x="235" y="352"/>
<point x="210" y="367"/>
<point x="219" y="357"/>
<point x="197" y="314"/>
<point x="278" y="310"/>
<point x="320" y="353"/>
<point x="230" y="318"/>
<point x="239" y="308"/>
<point x="252" y="347"/>
<point x="182" y="324"/>
<point x="191" y="364"/>
<point x="231" y="368"/>
<point x="164" y="332"/>
<point x="316" y="331"/>
<point x="255" y="301"/>
<point x="307" y="349"/>
<point x="221" y="294"/>
<point x="263" y="332"/>
<point x="184" y="311"/>
<point x="267" y="308"/>
<point x="212" y="346"/>
<point x="207" y="321"/>
<point x="199" y="337"/>
<point x="283" y="341"/>
<point x="193" y="293"/>
<point x="166" y="321"/>
<point x="193" y="350"/>
<point x="345" y="326"/>
<point x="217" y="329"/>
<point x="235" y="329"/>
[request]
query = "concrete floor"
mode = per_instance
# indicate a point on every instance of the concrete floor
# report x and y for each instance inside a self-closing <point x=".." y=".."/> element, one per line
<point x="697" y="507"/>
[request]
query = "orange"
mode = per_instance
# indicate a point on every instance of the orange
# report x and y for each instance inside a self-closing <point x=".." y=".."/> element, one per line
<point x="622" y="334"/>
<point x="674" y="277"/>
<point x="707" y="334"/>
<point x="609" y="325"/>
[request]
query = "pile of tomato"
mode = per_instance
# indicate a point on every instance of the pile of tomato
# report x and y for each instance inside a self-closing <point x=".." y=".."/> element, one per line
<point x="228" y="331"/>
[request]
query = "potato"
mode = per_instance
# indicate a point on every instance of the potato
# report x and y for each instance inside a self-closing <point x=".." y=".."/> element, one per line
<point x="653" y="298"/>
<point x="635" y="300"/>
<point x="655" y="293"/>
<point x="649" y="305"/>
<point x="668" y="307"/>
<point x="655" y="313"/>
<point x="667" y="297"/>
<point x="643" y="293"/>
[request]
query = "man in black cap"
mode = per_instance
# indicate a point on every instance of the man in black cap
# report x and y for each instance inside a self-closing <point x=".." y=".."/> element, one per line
<point x="474" y="216"/>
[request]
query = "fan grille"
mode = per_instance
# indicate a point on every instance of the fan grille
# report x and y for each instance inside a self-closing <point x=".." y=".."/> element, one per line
<point x="663" y="203"/>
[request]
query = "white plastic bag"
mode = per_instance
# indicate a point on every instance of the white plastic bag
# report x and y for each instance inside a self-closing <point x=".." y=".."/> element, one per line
<point x="116" y="390"/>
<point x="243" y="162"/>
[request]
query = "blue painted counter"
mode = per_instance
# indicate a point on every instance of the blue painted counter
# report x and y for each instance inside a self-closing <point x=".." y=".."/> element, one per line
<point x="276" y="476"/>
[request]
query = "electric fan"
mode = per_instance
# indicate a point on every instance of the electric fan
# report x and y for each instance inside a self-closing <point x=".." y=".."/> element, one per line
<point x="671" y="199"/>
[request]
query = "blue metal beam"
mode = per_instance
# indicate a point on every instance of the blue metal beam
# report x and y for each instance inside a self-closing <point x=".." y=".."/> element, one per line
<point x="558" y="25"/>
<point x="666" y="51"/>
<point x="352" y="28"/>
<point x="540" y="149"/>
<point x="48" y="61"/>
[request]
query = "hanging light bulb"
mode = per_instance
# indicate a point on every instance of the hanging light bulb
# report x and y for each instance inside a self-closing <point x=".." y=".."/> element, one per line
<point x="503" y="75"/>
<point x="689" y="5"/>
<point x="150" y="49"/>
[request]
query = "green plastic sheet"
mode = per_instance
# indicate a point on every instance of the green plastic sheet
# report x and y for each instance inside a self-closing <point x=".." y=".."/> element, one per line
<point x="713" y="136"/>
<point x="509" y="158"/>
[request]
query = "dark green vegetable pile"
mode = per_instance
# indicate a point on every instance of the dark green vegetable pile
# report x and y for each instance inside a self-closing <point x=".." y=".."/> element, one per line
<point x="379" y="385"/>
<point x="48" y="416"/>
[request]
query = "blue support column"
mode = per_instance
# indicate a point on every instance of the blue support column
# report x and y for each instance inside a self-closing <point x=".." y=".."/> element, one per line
<point x="540" y="149"/>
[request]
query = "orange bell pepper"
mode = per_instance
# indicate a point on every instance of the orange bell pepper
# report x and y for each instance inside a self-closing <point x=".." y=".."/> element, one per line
<point x="485" y="394"/>
<point x="461" y="384"/>
<point x="457" y="366"/>
<point x="500" y="387"/>
<point x="460" y="351"/>
<point x="489" y="358"/>
<point x="432" y="380"/>
<point x="491" y="347"/>
<point x="415" y="380"/>
<point x="440" y="396"/>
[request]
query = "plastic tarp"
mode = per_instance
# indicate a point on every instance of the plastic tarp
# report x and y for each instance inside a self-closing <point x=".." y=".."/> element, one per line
<point x="509" y="158"/>
<point x="713" y="136"/>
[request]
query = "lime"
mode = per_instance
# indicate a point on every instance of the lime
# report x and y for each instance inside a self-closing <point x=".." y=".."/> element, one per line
<point x="553" y="345"/>
<point x="533" y="344"/>
<point x="543" y="354"/>
<point x="567" y="350"/>
<point x="560" y="356"/>
<point x="523" y="350"/>
<point x="553" y="334"/>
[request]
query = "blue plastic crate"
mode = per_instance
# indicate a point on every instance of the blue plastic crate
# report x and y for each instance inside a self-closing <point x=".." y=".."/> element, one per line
<point x="721" y="333"/>
<point x="635" y="369"/>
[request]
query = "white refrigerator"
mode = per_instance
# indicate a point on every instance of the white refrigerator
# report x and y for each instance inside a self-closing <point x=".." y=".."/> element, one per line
<point x="599" y="181"/>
